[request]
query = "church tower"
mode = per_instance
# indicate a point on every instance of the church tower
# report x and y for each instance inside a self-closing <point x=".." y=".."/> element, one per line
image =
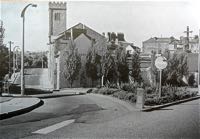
<point x="57" y="24"/>
<point x="57" y="18"/>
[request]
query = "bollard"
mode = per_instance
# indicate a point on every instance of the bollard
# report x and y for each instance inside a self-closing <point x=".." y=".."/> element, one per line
<point x="140" y="98"/>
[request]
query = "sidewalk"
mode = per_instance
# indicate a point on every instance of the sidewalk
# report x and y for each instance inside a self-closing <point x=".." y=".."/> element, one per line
<point x="63" y="92"/>
<point x="12" y="106"/>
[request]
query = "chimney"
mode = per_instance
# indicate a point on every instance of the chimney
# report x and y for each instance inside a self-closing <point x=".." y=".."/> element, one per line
<point x="109" y="38"/>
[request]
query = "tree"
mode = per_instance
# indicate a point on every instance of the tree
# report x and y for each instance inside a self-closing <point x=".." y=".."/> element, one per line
<point x="122" y="65"/>
<point x="136" y="72"/>
<point x="109" y="68"/>
<point x="191" y="80"/>
<point x="92" y="62"/>
<point x="29" y="61"/>
<point x="72" y="64"/>
<point x="83" y="79"/>
<point x="177" y="68"/>
<point x="3" y="61"/>
<point x="154" y="71"/>
<point x="114" y="65"/>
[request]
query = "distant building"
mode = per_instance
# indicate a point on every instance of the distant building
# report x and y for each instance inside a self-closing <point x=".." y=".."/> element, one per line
<point x="118" y="39"/>
<point x="159" y="45"/>
<point x="193" y="43"/>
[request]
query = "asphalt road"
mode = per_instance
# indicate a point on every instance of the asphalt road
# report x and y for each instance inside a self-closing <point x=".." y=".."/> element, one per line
<point x="96" y="116"/>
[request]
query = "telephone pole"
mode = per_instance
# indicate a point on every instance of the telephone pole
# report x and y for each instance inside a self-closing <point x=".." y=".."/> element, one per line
<point x="187" y="38"/>
<point x="199" y="65"/>
<point x="9" y="66"/>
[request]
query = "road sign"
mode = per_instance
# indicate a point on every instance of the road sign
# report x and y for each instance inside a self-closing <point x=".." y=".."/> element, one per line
<point x="161" y="62"/>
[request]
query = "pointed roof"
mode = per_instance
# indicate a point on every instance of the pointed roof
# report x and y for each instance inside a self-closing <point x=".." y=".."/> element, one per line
<point x="77" y="30"/>
<point x="160" y="40"/>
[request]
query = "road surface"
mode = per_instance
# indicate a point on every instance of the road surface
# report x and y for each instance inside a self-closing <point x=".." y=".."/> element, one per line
<point x="96" y="116"/>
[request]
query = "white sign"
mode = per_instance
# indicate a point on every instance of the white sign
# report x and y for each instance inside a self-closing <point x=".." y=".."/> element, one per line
<point x="161" y="62"/>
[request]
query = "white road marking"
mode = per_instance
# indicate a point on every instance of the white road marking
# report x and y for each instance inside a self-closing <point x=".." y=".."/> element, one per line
<point x="54" y="127"/>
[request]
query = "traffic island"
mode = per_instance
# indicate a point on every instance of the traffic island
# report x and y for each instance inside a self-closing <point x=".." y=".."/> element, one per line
<point x="18" y="106"/>
<point x="156" y="107"/>
<point x="145" y="101"/>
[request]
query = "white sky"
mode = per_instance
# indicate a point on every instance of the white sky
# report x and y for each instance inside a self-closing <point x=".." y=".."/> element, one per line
<point x="138" y="20"/>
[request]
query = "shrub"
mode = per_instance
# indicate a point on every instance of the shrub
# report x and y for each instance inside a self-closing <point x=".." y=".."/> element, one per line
<point x="95" y="91"/>
<point x="150" y="90"/>
<point x="168" y="90"/>
<point x="191" y="80"/>
<point x="120" y="94"/>
<point x="130" y="97"/>
<point x="105" y="91"/>
<point x="110" y="91"/>
<point x="90" y="90"/>
<point x="113" y="86"/>
<point x="151" y="101"/>
<point x="102" y="90"/>
<point x="181" y="93"/>
<point x="129" y="87"/>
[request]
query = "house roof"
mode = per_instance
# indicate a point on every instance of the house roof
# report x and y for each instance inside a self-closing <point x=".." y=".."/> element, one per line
<point x="77" y="30"/>
<point x="125" y="44"/>
<point x="160" y="40"/>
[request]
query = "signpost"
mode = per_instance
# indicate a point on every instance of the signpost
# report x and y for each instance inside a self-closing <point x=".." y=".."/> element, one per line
<point x="160" y="63"/>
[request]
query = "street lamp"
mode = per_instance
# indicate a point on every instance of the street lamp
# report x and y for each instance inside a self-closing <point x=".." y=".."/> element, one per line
<point x="22" y="52"/>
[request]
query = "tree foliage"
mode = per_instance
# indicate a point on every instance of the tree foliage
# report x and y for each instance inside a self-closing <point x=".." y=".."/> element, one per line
<point x="177" y="68"/>
<point x="3" y="61"/>
<point x="83" y="79"/>
<point x="92" y="62"/>
<point x="136" y="72"/>
<point x="122" y="65"/>
<point x="191" y="80"/>
<point x="114" y="65"/>
<point x="72" y="64"/>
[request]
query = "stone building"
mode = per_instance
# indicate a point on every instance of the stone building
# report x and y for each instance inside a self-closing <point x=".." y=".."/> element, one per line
<point x="60" y="38"/>
<point x="193" y="43"/>
<point x="159" y="45"/>
<point x="172" y="44"/>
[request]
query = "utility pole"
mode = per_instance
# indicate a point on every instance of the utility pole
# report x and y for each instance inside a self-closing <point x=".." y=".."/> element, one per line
<point x="9" y="66"/>
<point x="187" y="38"/>
<point x="199" y="65"/>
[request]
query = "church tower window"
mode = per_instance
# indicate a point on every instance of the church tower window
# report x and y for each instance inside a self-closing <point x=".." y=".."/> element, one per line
<point x="57" y="16"/>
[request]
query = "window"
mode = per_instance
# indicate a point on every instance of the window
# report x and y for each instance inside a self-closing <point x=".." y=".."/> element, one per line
<point x="57" y="16"/>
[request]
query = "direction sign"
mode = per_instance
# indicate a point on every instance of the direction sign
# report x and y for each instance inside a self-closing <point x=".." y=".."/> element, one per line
<point x="161" y="62"/>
